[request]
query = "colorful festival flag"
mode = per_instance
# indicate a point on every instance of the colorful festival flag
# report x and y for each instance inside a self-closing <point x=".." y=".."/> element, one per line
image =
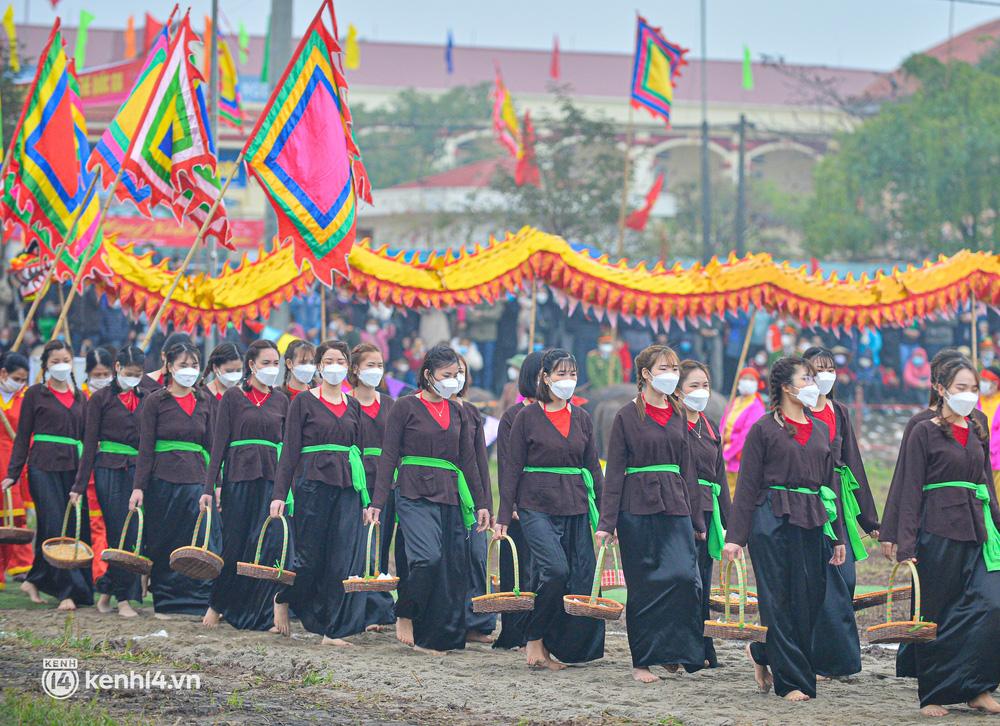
<point x="657" y="63"/>
<point x="265" y="66"/>
<point x="81" y="38"/>
<point x="554" y="64"/>
<point x="230" y="105"/>
<point x="747" y="69"/>
<point x="303" y="154"/>
<point x="640" y="217"/>
<point x="152" y="31"/>
<point x="130" y="37"/>
<point x="505" y="124"/>
<point x="8" y="25"/>
<point x="244" y="39"/>
<point x="449" y="59"/>
<point x="208" y="40"/>
<point x="526" y="171"/>
<point x="352" y="53"/>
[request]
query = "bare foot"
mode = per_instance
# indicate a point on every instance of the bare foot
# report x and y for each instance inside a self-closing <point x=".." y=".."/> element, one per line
<point x="934" y="711"/>
<point x="374" y="628"/>
<point x="474" y="636"/>
<point x="282" y="625"/>
<point x="162" y="616"/>
<point x="29" y="589"/>
<point x="761" y="674"/>
<point x="404" y="631"/>
<point x="428" y="651"/>
<point x="104" y="604"/>
<point x="796" y="696"/>
<point x="985" y="702"/>
<point x="539" y="657"/>
<point x="211" y="619"/>
<point x="823" y="678"/>
<point x="126" y="610"/>
<point x="339" y="642"/>
<point x="672" y="668"/>
<point x="67" y="604"/>
<point x="643" y="675"/>
<point x="144" y="579"/>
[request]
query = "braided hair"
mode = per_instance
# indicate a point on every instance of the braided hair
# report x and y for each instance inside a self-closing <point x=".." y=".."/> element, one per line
<point x="648" y="357"/>
<point x="946" y="376"/>
<point x="940" y="359"/>
<point x="818" y="355"/>
<point x="130" y="355"/>
<point x="782" y="372"/>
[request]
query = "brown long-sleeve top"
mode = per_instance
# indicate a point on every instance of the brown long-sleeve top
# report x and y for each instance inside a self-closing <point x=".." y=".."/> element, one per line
<point x="374" y="432"/>
<point x="412" y="431"/>
<point x="535" y="441"/>
<point x="237" y="418"/>
<point x="931" y="457"/>
<point x="845" y="452"/>
<point x="706" y="448"/>
<point x="106" y="418"/>
<point x="482" y="459"/>
<point x="310" y="423"/>
<point x="772" y="457"/>
<point x="503" y="439"/>
<point x="638" y="442"/>
<point x="148" y="384"/>
<point x="161" y="418"/>
<point x="42" y="413"/>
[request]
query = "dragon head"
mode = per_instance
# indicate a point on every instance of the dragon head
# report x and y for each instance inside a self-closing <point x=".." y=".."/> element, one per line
<point x="27" y="271"/>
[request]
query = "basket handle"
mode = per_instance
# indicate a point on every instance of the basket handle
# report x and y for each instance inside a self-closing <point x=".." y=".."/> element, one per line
<point x="69" y="506"/>
<point x="495" y="544"/>
<point x="8" y="512"/>
<point x="284" y="542"/>
<point x="741" y="580"/>
<point x="373" y="531"/>
<point x="601" y="554"/>
<point x="614" y="557"/>
<point x="205" y="514"/>
<point x="138" y="535"/>
<point x="916" y="590"/>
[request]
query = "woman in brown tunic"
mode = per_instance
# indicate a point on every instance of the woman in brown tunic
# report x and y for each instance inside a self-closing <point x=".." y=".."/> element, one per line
<point x="947" y="521"/>
<point x="225" y="364"/>
<point x="324" y="432"/>
<point x="153" y="380"/>
<point x="365" y="377"/>
<point x="554" y="481"/>
<point x="245" y="446"/>
<point x="428" y="452"/>
<point x="110" y="449"/>
<point x="786" y="510"/>
<point x="49" y="440"/>
<point x="651" y="498"/>
<point x="300" y="371"/>
<point x="706" y="449"/>
<point x="175" y="436"/>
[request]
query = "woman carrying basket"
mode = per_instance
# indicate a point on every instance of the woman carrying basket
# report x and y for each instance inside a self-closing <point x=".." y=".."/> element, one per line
<point x="323" y="431"/>
<point x="947" y="522"/>
<point x="110" y="448"/>
<point x="245" y="446"/>
<point x="651" y="496"/>
<point x="554" y="480"/>
<point x="15" y="559"/>
<point x="787" y="512"/>
<point x="49" y="440"/>
<point x="175" y="435"/>
<point x="706" y="448"/>
<point x="429" y="453"/>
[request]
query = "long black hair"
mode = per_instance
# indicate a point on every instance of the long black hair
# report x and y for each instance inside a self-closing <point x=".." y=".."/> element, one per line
<point x="553" y="359"/>
<point x="946" y="376"/>
<point x="819" y="353"/>
<point x="51" y="347"/>
<point x="99" y="357"/>
<point x="222" y="353"/>
<point x="527" y="379"/>
<point x="940" y="360"/>
<point x="438" y="357"/>
<point x="12" y="361"/>
<point x="292" y="352"/>
<point x="129" y="356"/>
<point x="252" y="352"/>
<point x="782" y="373"/>
<point x="176" y="352"/>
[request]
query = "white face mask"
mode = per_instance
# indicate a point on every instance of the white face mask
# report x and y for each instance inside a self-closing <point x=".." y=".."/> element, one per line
<point x="60" y="371"/>
<point x="697" y="400"/>
<point x="11" y="386"/>
<point x="825" y="381"/>
<point x="606" y="348"/>
<point x="304" y="373"/>
<point x="746" y="387"/>
<point x="666" y="383"/>
<point x="267" y="376"/>
<point x="962" y="403"/>
<point x="372" y="329"/>
<point x="461" y="381"/>
<point x="97" y="384"/>
<point x="447" y="387"/>
<point x="230" y="379"/>
<point x="127" y="382"/>
<point x="512" y="373"/>
<point x="185" y="376"/>
<point x="335" y="374"/>
<point x="371" y="377"/>
<point x="808" y="395"/>
<point x="563" y="389"/>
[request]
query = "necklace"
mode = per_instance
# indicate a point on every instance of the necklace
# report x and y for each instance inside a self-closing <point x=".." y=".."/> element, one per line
<point x="436" y="409"/>
<point x="253" y="396"/>
<point x="697" y="428"/>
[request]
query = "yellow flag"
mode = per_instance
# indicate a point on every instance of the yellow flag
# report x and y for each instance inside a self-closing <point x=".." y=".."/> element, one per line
<point x="352" y="53"/>
<point x="8" y="25"/>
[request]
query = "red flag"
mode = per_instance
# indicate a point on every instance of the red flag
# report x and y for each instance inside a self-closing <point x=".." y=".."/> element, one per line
<point x="638" y="218"/>
<point x="130" y="37"/>
<point x="554" y="67"/>
<point x="526" y="171"/>
<point x="153" y="29"/>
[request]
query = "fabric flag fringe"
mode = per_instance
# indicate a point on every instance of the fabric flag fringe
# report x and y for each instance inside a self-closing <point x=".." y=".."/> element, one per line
<point x="657" y="63"/>
<point x="526" y="171"/>
<point x="747" y="69"/>
<point x="81" y="38"/>
<point x="639" y="218"/>
<point x="244" y="41"/>
<point x="230" y="103"/>
<point x="505" y="123"/>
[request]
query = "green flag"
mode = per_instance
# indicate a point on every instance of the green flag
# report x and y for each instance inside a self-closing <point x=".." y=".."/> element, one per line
<point x="265" y="66"/>
<point x="747" y="69"/>
<point x="244" y="43"/>
<point x="80" y="54"/>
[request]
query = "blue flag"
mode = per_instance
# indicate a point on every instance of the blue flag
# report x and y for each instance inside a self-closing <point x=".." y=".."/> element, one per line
<point x="449" y="63"/>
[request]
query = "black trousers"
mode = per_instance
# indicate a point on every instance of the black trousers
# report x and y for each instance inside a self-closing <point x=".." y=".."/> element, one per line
<point x="484" y="623"/>
<point x="836" y="647"/>
<point x="663" y="615"/>
<point x="705" y="566"/>
<point x="114" y="487"/>
<point x="789" y="564"/>
<point x="434" y="592"/>
<point x="562" y="563"/>
<point x="50" y="492"/>
<point x="513" y="626"/>
<point x="171" y="512"/>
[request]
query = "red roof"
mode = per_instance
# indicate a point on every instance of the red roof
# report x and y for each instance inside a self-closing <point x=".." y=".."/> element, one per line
<point x="478" y="174"/>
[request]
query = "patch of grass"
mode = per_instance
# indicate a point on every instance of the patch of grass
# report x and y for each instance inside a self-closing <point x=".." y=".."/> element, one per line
<point x="235" y="700"/>
<point x="27" y="709"/>
<point x="313" y="678"/>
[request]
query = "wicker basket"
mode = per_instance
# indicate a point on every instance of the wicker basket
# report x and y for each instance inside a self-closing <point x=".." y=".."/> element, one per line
<point x="717" y="603"/>
<point x="592" y="606"/>
<point x="503" y="602"/>
<point x="725" y="628"/>
<point x="903" y="631"/>
<point x="194" y="561"/>
<point x="879" y="597"/>
<point x="9" y="534"/>
<point x="613" y="578"/>
<point x="278" y="573"/>
<point x="371" y="581"/>
<point x="121" y="557"/>
<point x="68" y="553"/>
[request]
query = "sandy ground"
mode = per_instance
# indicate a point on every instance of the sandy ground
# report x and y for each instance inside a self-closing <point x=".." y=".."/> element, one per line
<point x="261" y="678"/>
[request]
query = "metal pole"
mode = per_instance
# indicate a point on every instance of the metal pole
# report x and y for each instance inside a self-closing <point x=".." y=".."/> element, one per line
<point x="741" y="191"/>
<point x="213" y="121"/>
<point x="706" y="206"/>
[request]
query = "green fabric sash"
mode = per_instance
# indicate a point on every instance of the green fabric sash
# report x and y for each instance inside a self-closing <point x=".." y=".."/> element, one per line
<point x="716" y="534"/>
<point x="257" y="442"/>
<point x="52" y="439"/>
<point x="464" y="495"/>
<point x="114" y="447"/>
<point x="588" y="481"/>
<point x="357" y="468"/>
<point x="991" y="547"/>
<point x="848" y="485"/>
<point x="829" y="498"/>
<point x="372" y="451"/>
<point x="164" y="445"/>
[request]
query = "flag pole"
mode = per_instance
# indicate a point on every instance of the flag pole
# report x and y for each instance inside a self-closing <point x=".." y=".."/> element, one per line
<point x="155" y="322"/>
<point x="975" y="332"/>
<point x="43" y="290"/>
<point x="621" y="214"/>
<point x="534" y="314"/>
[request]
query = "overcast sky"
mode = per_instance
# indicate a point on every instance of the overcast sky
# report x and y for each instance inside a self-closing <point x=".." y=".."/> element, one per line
<point x="874" y="34"/>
